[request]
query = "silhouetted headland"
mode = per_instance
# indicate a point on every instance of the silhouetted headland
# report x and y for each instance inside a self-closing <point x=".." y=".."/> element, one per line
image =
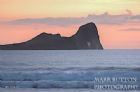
<point x="86" y="38"/>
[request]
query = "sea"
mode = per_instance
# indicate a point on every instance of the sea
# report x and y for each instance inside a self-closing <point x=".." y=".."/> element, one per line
<point x="70" y="70"/>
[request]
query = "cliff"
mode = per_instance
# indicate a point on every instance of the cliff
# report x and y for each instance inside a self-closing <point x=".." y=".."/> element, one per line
<point x="86" y="38"/>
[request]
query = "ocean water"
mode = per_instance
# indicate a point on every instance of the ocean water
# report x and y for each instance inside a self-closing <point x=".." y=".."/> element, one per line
<point x="69" y="70"/>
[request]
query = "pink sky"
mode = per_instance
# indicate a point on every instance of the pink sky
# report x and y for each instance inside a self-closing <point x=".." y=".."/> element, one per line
<point x="118" y="21"/>
<point x="111" y="36"/>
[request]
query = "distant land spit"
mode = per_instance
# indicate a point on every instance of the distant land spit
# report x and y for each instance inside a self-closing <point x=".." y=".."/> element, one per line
<point x="87" y="37"/>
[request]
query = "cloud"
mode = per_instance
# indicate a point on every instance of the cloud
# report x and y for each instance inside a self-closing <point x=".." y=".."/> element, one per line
<point x="137" y="17"/>
<point x="132" y="29"/>
<point x="49" y="21"/>
<point x="129" y="12"/>
<point x="105" y="18"/>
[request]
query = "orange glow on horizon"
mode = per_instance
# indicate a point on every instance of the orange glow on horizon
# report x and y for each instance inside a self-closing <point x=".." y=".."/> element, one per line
<point x="115" y="36"/>
<point x="17" y="34"/>
<point x="111" y="37"/>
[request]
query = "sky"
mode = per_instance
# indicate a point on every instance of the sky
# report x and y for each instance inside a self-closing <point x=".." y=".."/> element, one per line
<point x="118" y="21"/>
